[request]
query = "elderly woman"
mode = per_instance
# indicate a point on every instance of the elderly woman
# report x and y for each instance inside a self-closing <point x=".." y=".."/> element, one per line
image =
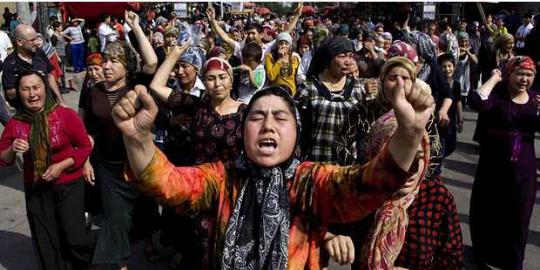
<point x="326" y="97"/>
<point x="269" y="210"/>
<point x="282" y="63"/>
<point x="507" y="166"/>
<point x="117" y="197"/>
<point x="54" y="145"/>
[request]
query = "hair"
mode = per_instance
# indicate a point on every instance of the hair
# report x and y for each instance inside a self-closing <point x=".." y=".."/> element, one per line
<point x="48" y="90"/>
<point x="56" y="24"/>
<point x="445" y="57"/>
<point x="501" y="40"/>
<point x="104" y="17"/>
<point x="252" y="50"/>
<point x="254" y="25"/>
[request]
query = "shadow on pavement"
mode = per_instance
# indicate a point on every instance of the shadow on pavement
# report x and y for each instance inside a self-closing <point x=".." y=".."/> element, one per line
<point x="16" y="251"/>
<point x="468" y="148"/>
<point x="457" y="183"/>
<point x="460" y="166"/>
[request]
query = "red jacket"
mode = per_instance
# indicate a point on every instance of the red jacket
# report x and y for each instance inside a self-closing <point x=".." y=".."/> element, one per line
<point x="68" y="138"/>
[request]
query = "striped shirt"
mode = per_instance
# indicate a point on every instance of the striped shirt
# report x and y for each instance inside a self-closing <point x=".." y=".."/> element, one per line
<point x="75" y="33"/>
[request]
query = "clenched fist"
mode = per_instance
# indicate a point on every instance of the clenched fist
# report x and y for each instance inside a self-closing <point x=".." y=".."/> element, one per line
<point x="135" y="113"/>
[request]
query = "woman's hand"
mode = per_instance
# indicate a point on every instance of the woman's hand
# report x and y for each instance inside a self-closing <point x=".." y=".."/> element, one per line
<point x="496" y="75"/>
<point x="412" y="108"/>
<point x="211" y="13"/>
<point x="340" y="248"/>
<point x="53" y="172"/>
<point x="134" y="114"/>
<point x="444" y="120"/>
<point x="131" y="18"/>
<point x="20" y="146"/>
<point x="88" y="173"/>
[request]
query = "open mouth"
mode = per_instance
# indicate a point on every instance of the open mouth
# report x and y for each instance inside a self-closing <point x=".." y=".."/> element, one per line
<point x="267" y="145"/>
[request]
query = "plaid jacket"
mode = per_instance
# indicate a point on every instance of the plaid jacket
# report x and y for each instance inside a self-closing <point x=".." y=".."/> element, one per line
<point x="322" y="113"/>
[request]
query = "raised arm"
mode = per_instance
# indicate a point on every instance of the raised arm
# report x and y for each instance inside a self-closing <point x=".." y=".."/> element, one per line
<point x="148" y="54"/>
<point x="211" y="13"/>
<point x="294" y="21"/>
<point x="159" y="83"/>
<point x="194" y="187"/>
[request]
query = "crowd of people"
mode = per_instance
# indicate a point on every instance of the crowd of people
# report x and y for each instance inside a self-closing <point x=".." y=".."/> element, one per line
<point x="271" y="142"/>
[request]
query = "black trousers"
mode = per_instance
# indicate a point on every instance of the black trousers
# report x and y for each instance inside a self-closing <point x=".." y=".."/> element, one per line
<point x="57" y="223"/>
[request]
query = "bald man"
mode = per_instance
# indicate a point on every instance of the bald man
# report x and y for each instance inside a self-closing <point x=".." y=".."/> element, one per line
<point x="26" y="57"/>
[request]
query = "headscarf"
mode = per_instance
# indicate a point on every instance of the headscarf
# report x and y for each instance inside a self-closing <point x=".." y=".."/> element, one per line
<point x="324" y="54"/>
<point x="40" y="150"/>
<point x="400" y="48"/>
<point x="123" y="53"/>
<point x="47" y="47"/>
<point x="257" y="236"/>
<point x="423" y="44"/>
<point x="462" y="36"/>
<point x="518" y="62"/>
<point x="216" y="63"/>
<point x="191" y="57"/>
<point x="157" y="37"/>
<point x="387" y="36"/>
<point x="94" y="59"/>
<point x="387" y="235"/>
<point x="283" y="36"/>
<point x="303" y="40"/>
<point x="215" y="52"/>
<point x="171" y="30"/>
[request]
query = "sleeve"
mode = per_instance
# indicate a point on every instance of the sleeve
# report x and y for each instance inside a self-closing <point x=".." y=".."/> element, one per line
<point x="260" y="77"/>
<point x="6" y="140"/>
<point x="347" y="194"/>
<point x="481" y="103"/>
<point x="344" y="143"/>
<point x="302" y="70"/>
<point x="237" y="50"/>
<point x="83" y="97"/>
<point x="8" y="78"/>
<point x="179" y="99"/>
<point x="195" y="188"/>
<point x="272" y="68"/>
<point x="450" y="255"/>
<point x="305" y="109"/>
<point x="78" y="136"/>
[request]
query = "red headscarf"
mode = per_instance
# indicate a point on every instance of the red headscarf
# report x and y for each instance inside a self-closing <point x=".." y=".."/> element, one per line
<point x="94" y="59"/>
<point x="517" y="63"/>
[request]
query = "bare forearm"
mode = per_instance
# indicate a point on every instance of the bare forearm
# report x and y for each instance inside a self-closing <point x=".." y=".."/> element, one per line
<point x="403" y="147"/>
<point x="473" y="57"/>
<point x="488" y="86"/>
<point x="148" y="54"/>
<point x="159" y="83"/>
<point x="221" y="33"/>
<point x="139" y="152"/>
<point x="56" y="91"/>
<point x="66" y="163"/>
<point x="447" y="102"/>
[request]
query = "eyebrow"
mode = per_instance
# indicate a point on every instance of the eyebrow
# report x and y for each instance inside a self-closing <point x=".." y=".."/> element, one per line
<point x="265" y="112"/>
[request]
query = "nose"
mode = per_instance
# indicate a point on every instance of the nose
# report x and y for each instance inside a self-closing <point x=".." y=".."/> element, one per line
<point x="268" y="124"/>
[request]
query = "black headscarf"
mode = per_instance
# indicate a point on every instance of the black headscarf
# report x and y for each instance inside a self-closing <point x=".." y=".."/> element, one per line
<point x="257" y="235"/>
<point x="328" y="49"/>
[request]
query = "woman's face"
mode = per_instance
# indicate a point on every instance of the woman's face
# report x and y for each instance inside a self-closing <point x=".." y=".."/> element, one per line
<point x="447" y="68"/>
<point x="39" y="42"/>
<point x="520" y="80"/>
<point x="270" y="132"/>
<point x="508" y="45"/>
<point x="283" y="46"/>
<point x="340" y="64"/>
<point x="95" y="72"/>
<point x="387" y="44"/>
<point x="186" y="73"/>
<point x="391" y="81"/>
<point x="113" y="70"/>
<point x="32" y="92"/>
<point x="380" y="31"/>
<point x="218" y="84"/>
<point x="170" y="40"/>
<point x="302" y="49"/>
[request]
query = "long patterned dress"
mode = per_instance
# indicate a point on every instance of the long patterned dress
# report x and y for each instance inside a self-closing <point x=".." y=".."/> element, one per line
<point x="504" y="188"/>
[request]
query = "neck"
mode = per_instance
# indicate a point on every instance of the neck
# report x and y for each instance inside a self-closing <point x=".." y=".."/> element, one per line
<point x="116" y="85"/>
<point x="24" y="54"/>
<point x="520" y="97"/>
<point x="218" y="103"/>
<point x="450" y="80"/>
<point x="188" y="86"/>
<point x="327" y="76"/>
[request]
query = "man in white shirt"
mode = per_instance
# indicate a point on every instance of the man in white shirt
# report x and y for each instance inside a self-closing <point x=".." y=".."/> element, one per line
<point x="522" y="33"/>
<point x="6" y="47"/>
<point x="106" y="32"/>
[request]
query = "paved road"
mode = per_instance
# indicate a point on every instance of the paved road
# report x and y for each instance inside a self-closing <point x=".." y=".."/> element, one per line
<point x="16" y="249"/>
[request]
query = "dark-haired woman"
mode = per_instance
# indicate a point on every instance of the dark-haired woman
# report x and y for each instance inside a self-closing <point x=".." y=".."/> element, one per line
<point x="118" y="199"/>
<point x="54" y="144"/>
<point x="270" y="210"/>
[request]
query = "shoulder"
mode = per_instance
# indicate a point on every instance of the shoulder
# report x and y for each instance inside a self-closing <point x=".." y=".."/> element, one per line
<point x="66" y="112"/>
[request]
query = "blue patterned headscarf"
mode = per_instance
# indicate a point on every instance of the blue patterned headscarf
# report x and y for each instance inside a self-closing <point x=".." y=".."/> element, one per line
<point x="192" y="57"/>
